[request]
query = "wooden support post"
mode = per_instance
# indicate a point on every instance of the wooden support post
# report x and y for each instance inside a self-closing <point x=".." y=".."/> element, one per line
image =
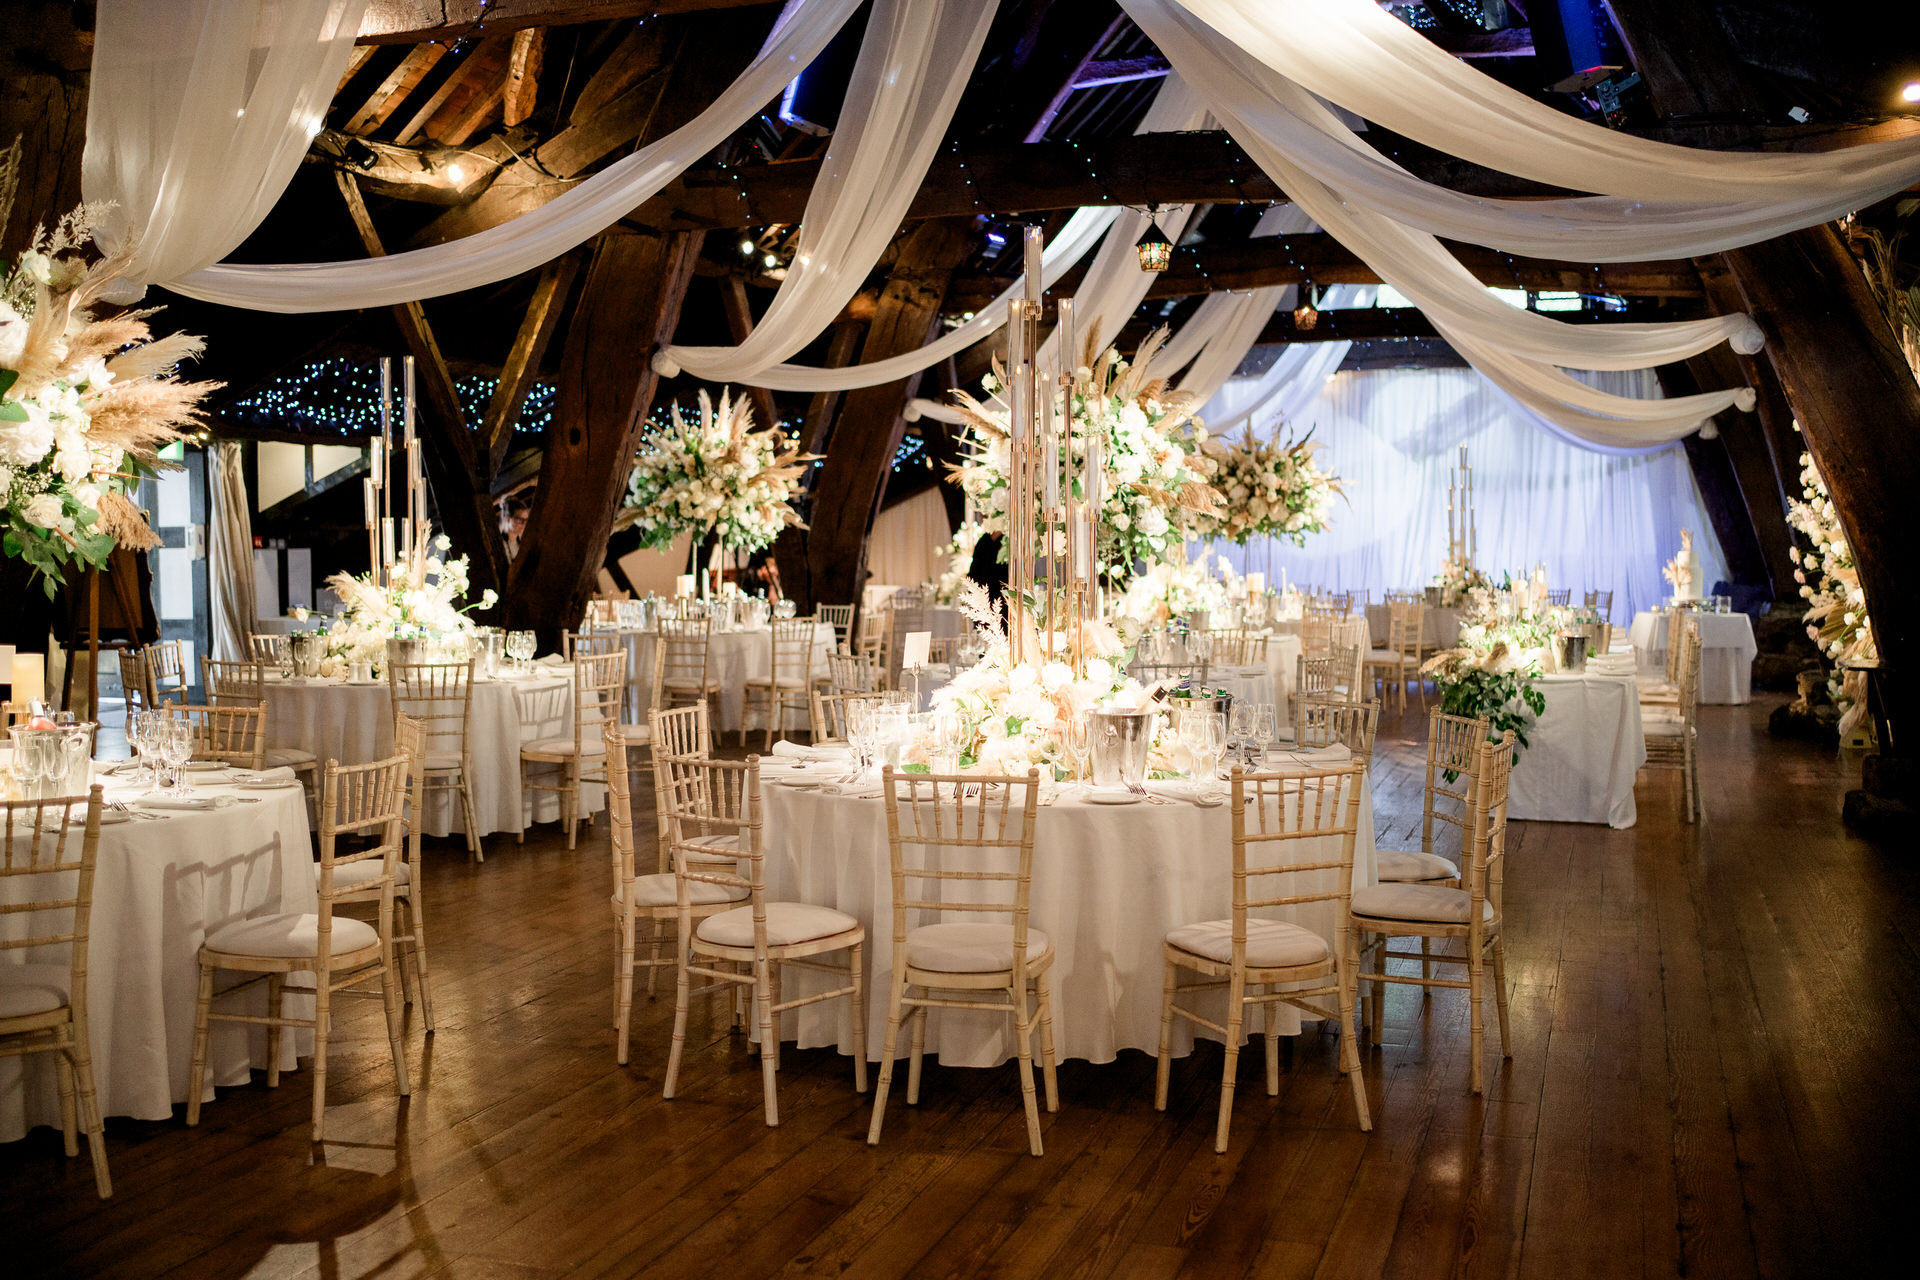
<point x="733" y="298"/>
<point x="1859" y="406"/>
<point x="1743" y="438"/>
<point x="628" y="308"/>
<point x="522" y="366"/>
<point x="860" y="454"/>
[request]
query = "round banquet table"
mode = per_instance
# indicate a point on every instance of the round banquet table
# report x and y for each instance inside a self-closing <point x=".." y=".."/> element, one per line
<point x="160" y="886"/>
<point x="353" y="723"/>
<point x="1439" y="628"/>
<point x="1109" y="882"/>
<point x="1726" y="653"/>
<point x="1582" y="754"/>
<point x="733" y="658"/>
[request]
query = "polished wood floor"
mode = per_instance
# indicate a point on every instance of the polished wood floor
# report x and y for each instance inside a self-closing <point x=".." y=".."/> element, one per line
<point x="1713" y="1073"/>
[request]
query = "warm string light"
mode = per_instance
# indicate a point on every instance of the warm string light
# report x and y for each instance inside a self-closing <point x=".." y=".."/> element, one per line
<point x="343" y="397"/>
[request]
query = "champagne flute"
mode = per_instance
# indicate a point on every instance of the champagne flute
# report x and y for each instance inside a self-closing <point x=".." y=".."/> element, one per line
<point x="1079" y="737"/>
<point x="179" y="749"/>
<point x="1193" y="739"/>
<point x="1265" y="728"/>
<point x="1240" y="731"/>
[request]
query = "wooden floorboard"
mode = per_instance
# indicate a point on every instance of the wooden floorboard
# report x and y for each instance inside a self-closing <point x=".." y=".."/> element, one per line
<point x="1713" y="1032"/>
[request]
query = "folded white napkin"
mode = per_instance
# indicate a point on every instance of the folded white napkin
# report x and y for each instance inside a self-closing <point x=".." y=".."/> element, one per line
<point x="1331" y="757"/>
<point x="281" y="774"/>
<point x="800" y="751"/>
<point x="858" y="791"/>
<point x="551" y="660"/>
<point x="1188" y="788"/>
<point x="186" y="802"/>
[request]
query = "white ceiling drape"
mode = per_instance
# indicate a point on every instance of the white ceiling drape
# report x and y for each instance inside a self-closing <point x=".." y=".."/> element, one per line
<point x="526" y="242"/>
<point x="914" y="62"/>
<point x="197" y="117"/>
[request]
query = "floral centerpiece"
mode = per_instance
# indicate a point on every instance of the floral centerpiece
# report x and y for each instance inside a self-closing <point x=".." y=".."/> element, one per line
<point x="1013" y="715"/>
<point x="1829" y="581"/>
<point x="945" y="589"/>
<point x="1457" y="580"/>
<point x="1155" y="479"/>
<point x="86" y="402"/>
<point x="1272" y="488"/>
<point x="1172" y="589"/>
<point x="1503" y="643"/>
<point x="423" y="605"/>
<point x="714" y="474"/>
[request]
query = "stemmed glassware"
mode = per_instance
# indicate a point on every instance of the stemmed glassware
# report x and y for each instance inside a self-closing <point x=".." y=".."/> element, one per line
<point x="520" y="646"/>
<point x="1265" y="728"/>
<point x="1240" y="729"/>
<point x="1079" y="743"/>
<point x="862" y="724"/>
<point x="176" y="748"/>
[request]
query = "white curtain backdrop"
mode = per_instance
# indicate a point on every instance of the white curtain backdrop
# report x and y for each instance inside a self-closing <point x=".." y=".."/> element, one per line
<point x="914" y="62"/>
<point x="197" y="117"/>
<point x="1596" y="520"/>
<point x="230" y="555"/>
<point x="909" y="540"/>
<point x="1279" y="395"/>
<point x="531" y="239"/>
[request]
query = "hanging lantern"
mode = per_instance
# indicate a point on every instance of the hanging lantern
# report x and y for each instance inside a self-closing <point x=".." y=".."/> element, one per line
<point x="1155" y="250"/>
<point x="1305" y="316"/>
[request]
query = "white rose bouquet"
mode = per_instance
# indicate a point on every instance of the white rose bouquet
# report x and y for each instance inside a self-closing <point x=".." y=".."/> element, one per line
<point x="424" y="606"/>
<point x="714" y="473"/>
<point x="86" y="404"/>
<point x="1829" y="581"/>
<point x="1169" y="590"/>
<point x="1156" y="480"/>
<point x="1272" y="488"/>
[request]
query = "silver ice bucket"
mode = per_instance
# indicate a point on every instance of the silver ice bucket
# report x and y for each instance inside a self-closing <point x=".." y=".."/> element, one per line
<point x="1570" y="653"/>
<point x="1120" y="740"/>
<point x="408" y="649"/>
<point x="307" y="651"/>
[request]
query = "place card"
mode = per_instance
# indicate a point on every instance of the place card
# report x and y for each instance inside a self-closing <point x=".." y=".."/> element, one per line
<point x="914" y="655"/>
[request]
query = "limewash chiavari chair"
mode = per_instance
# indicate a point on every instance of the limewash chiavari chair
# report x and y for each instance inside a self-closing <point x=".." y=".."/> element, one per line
<point x="1672" y="733"/>
<point x="1474" y="912"/>
<point x="722" y="797"/>
<point x="1266" y="962"/>
<point x="650" y="896"/>
<point x="581" y="757"/>
<point x="906" y="612"/>
<point x="684" y="731"/>
<point x="45" y="1005"/>
<point x="789" y="677"/>
<point x="438" y="696"/>
<point x="1562" y="597"/>
<point x="971" y="838"/>
<point x="134" y="681"/>
<point x="1311" y="677"/>
<point x="1398" y="664"/>
<point x="166" y="670"/>
<point x="244" y="684"/>
<point x="686" y="669"/>
<point x="1601" y="602"/>
<point x="840" y="618"/>
<point x="341" y="952"/>
<point x="1347" y="669"/>
<point x="232" y="735"/>
<point x="411" y="740"/>
<point x="574" y="643"/>
<point x="830" y="716"/>
<point x="1238" y="647"/>
<point x="855" y="673"/>
<point x="1326" y="720"/>
<point x="1679" y="623"/>
<point x="270" y="649"/>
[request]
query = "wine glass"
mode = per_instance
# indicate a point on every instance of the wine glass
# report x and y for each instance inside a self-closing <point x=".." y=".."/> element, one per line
<point x="1265" y="728"/>
<point x="520" y="645"/>
<point x="1193" y="739"/>
<point x="1240" y="729"/>
<point x="1213" y="745"/>
<point x="1079" y="743"/>
<point x="178" y="749"/>
<point x="136" y="739"/>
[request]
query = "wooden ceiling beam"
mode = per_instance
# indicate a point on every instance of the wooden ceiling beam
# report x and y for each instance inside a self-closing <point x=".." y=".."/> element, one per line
<point x="412" y="21"/>
<point x="401" y="81"/>
<point x="522" y="366"/>
<point x="523" y="75"/>
<point x="474" y="64"/>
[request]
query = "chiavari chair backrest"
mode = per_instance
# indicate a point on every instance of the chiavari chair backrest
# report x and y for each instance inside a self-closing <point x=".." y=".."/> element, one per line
<point x="16" y="713"/>
<point x="134" y="679"/>
<point x="683" y="731"/>
<point x="1562" y="597"/>
<point x="702" y="797"/>
<point x="620" y="804"/>
<point x="1169" y="673"/>
<point x="364" y="800"/>
<point x="1485" y="864"/>
<point x="166" y="668"/>
<point x="233" y="734"/>
<point x="962" y="845"/>
<point x="1406" y="596"/>
<point x="268" y="647"/>
<point x="830" y="715"/>
<point x="1320" y="611"/>
<point x="906" y="611"/>
<point x="242" y="684"/>
<point x="840" y="618"/>
<point x="410" y="740"/>
<point x="575" y="643"/>
<point x="604" y="611"/>
<point x="1272" y="813"/>
<point x="1326" y="720"/>
<point x="1601" y="602"/>
<point x="438" y="697"/>
<point x="685" y="644"/>
<point x="1453" y="753"/>
<point x="792" y="642"/>
<point x="599" y="681"/>
<point x="855" y="673"/>
<point x="40" y="850"/>
<point x="1346" y="667"/>
<point x="1312" y="675"/>
<point x="1411" y="615"/>
<point x="1687" y="669"/>
<point x="1679" y="621"/>
<point x="1239" y="647"/>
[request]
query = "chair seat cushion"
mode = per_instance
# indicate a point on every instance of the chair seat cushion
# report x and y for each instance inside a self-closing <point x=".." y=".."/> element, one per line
<point x="1662" y="722"/>
<point x="1383" y="655"/>
<point x="794" y="683"/>
<point x="1426" y="903"/>
<point x="970" y="948"/>
<point x="289" y="936"/>
<point x="32" y="988"/>
<point x="1271" y="944"/>
<point x="440" y="761"/>
<point x="355" y="874"/>
<point x="681" y="684"/>
<point x="660" y="891"/>
<point x="592" y="744"/>
<point x="788" y="923"/>
<point x="1412" y="866"/>
<point x="288" y="757"/>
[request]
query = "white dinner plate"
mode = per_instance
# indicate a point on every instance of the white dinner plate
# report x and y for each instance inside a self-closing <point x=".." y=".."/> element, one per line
<point x="207" y="766"/>
<point x="1113" y="797"/>
<point x="801" y="784"/>
<point x="279" y="784"/>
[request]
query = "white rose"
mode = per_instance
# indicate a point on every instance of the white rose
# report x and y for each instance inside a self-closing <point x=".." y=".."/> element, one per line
<point x="37" y="266"/>
<point x="13" y="337"/>
<point x="45" y="511"/>
<point x="87" y="495"/>
<point x="1153" y="522"/>
<point x="22" y="444"/>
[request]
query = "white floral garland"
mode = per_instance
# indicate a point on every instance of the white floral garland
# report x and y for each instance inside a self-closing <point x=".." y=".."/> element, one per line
<point x="1829" y="581"/>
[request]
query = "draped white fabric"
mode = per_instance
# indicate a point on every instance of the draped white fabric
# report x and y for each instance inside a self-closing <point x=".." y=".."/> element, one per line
<point x="1517" y="349"/>
<point x="534" y="238"/>
<point x="909" y="541"/>
<point x="230" y="555"/>
<point x="1595" y="520"/>
<point x="1353" y="53"/>
<point x="198" y="115"/>
<point x="914" y="62"/>
<point x="1221" y="332"/>
<point x="1279" y="395"/>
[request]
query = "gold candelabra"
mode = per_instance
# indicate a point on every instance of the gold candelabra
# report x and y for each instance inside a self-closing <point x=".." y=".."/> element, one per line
<point x="1051" y="562"/>
<point x="405" y="555"/>
<point x="1463" y="541"/>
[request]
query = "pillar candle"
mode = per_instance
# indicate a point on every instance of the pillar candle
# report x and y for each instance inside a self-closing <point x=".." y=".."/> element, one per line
<point x="1053" y="469"/>
<point x="366" y="491"/>
<point x="1069" y="357"/>
<point x="683" y="586"/>
<point x="406" y="404"/>
<point x="386" y="541"/>
<point x="1018" y="404"/>
<point x="29" y="676"/>
<point x="1256" y="583"/>
<point x="386" y="399"/>
<point x="1034" y="262"/>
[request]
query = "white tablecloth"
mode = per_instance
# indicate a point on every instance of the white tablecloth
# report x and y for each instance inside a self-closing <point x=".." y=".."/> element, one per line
<point x="1109" y="882"/>
<point x="1726" y="653"/>
<point x="733" y="657"/>
<point x="159" y="887"/>
<point x="1439" y="628"/>
<point x="353" y="723"/>
<point x="1582" y="754"/>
